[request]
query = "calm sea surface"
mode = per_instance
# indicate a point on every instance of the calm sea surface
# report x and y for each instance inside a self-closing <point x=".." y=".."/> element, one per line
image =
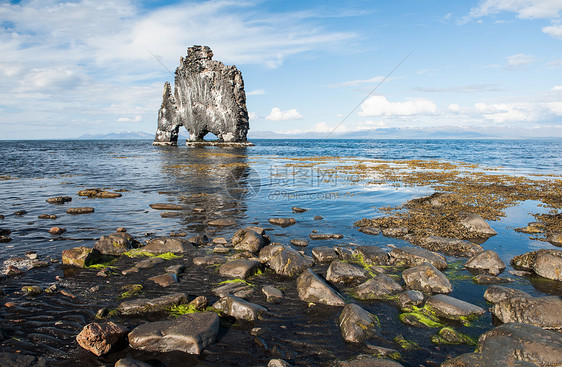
<point x="249" y="185"/>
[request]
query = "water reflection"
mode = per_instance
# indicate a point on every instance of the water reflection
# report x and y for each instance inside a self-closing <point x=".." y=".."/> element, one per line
<point x="218" y="180"/>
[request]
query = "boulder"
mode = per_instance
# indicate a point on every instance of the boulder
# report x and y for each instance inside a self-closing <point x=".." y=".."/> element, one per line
<point x="239" y="308"/>
<point x="209" y="260"/>
<point x="164" y="280"/>
<point x="513" y="344"/>
<point x="162" y="245"/>
<point x="312" y="289"/>
<point x="283" y="222"/>
<point x="449" y="246"/>
<point x="426" y="278"/>
<point x="487" y="261"/>
<point x="272" y="294"/>
<point x="410" y="298"/>
<point x="543" y="312"/>
<point x="285" y="260"/>
<point x="81" y="256"/>
<point x="453" y="308"/>
<point x="323" y="254"/>
<point x="241" y="268"/>
<point x="247" y="240"/>
<point x="546" y="263"/>
<point x="189" y="333"/>
<point x="115" y="244"/>
<point x="198" y="239"/>
<point x="379" y="287"/>
<point x="412" y="256"/>
<point x="357" y="324"/>
<point x="555" y="239"/>
<point x="299" y="242"/>
<point x="143" y="305"/>
<point x="342" y="272"/>
<point x="59" y="200"/>
<point x="496" y="293"/>
<point x="100" y="338"/>
<point x="371" y="255"/>
<point x="57" y="230"/>
<point x="475" y="224"/>
<point x="296" y="209"/>
<point x="208" y="97"/>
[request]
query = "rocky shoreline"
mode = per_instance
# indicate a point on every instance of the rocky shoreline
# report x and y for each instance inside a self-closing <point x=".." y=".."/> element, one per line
<point x="248" y="300"/>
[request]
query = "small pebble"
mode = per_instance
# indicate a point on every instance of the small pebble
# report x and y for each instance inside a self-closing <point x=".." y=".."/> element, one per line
<point x="57" y="230"/>
<point x="121" y="229"/>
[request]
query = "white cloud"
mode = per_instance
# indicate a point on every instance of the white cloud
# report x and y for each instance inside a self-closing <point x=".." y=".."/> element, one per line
<point x="525" y="9"/>
<point x="380" y="106"/>
<point x="256" y="92"/>
<point x="454" y="107"/>
<point x="354" y="83"/>
<point x="557" y="88"/>
<point x="519" y="112"/>
<point x="554" y="31"/>
<point x="137" y="118"/>
<point x="252" y="115"/>
<point x="278" y="115"/>
<point x="518" y="60"/>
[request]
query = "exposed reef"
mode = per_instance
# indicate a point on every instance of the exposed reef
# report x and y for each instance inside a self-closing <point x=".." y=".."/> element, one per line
<point x="208" y="97"/>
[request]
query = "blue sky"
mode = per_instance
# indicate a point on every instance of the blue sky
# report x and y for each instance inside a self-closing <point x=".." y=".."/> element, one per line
<point x="69" y="68"/>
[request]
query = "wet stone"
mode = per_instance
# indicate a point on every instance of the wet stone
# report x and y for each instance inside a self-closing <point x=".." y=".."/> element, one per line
<point x="176" y="245"/>
<point x="175" y="269"/>
<point x="490" y="279"/>
<point x="238" y="289"/>
<point x="272" y="294"/>
<point x="410" y="298"/>
<point x="239" y="308"/>
<point x="149" y="263"/>
<point x="412" y="256"/>
<point x="487" y="261"/>
<point x="100" y="338"/>
<point x="20" y="212"/>
<point x="342" y="272"/>
<point x="453" y="308"/>
<point x="166" y="206"/>
<point x="369" y="361"/>
<point x="80" y="256"/>
<point x="357" y="324"/>
<point x="31" y="290"/>
<point x="311" y="288"/>
<point x="99" y="193"/>
<point x="325" y="236"/>
<point x="287" y="261"/>
<point x="299" y="242"/>
<point x="47" y="216"/>
<point x="219" y="249"/>
<point x="543" y="312"/>
<point x="496" y="293"/>
<point x="395" y="232"/>
<point x="345" y="254"/>
<point x="426" y="278"/>
<point x="283" y="222"/>
<point x="143" y="305"/>
<point x="379" y="287"/>
<point x="476" y="224"/>
<point x="220" y="241"/>
<point x="324" y="254"/>
<point x="5" y="239"/>
<point x="189" y="333"/>
<point x="164" y="280"/>
<point x="372" y="255"/>
<point x="115" y="244"/>
<point x="81" y="210"/>
<point x="199" y="239"/>
<point x="171" y="214"/>
<point x="178" y="234"/>
<point x="296" y="209"/>
<point x="59" y="200"/>
<point x="373" y="231"/>
<point x="555" y="239"/>
<point x="5" y="232"/>
<point x="129" y="362"/>
<point x="239" y="268"/>
<point x="247" y="240"/>
<point x="318" y="217"/>
<point x="209" y="260"/>
<point x="278" y="363"/>
<point x="225" y="222"/>
<point x="450" y="246"/>
<point x="21" y="360"/>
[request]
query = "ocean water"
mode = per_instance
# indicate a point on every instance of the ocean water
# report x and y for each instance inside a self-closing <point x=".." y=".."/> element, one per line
<point x="249" y="185"/>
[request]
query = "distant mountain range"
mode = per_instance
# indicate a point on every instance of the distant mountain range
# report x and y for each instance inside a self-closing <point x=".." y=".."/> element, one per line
<point x="132" y="135"/>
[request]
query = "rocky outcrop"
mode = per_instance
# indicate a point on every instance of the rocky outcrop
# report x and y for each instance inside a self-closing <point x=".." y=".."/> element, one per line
<point x="546" y="263"/>
<point x="208" y="97"/>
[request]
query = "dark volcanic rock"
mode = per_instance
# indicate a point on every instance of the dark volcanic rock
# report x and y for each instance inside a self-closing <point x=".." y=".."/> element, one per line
<point x="208" y="97"/>
<point x="313" y="289"/>
<point x="188" y="333"/>
<point x="426" y="278"/>
<point x="412" y="256"/>
<point x="487" y="261"/>
<point x="239" y="308"/>
<point x="449" y="246"/>
<point x="543" y="312"/>
<point x="379" y="287"/>
<point x="100" y="338"/>
<point x="356" y="324"/>
<point x="514" y="344"/>
<point x="59" y="200"/>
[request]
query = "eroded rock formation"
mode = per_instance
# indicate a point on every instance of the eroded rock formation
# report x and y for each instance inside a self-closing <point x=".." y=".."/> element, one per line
<point x="208" y="97"/>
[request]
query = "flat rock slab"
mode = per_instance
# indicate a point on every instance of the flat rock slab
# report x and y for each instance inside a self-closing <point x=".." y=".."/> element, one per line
<point x="224" y="222"/>
<point x="209" y="260"/>
<point x="143" y="305"/>
<point x="487" y="261"/>
<point x="162" y="245"/>
<point x="325" y="236"/>
<point x="164" y="280"/>
<point x="449" y="246"/>
<point x="513" y="344"/>
<point x="99" y="338"/>
<point x="373" y="231"/>
<point x="241" y="268"/>
<point x="426" y="278"/>
<point x="239" y="308"/>
<point x="412" y="256"/>
<point x="453" y="308"/>
<point x="379" y="287"/>
<point x="238" y="289"/>
<point x="81" y="210"/>
<point x="342" y="272"/>
<point x="311" y="288"/>
<point x="357" y="324"/>
<point x="497" y="293"/>
<point x="189" y="333"/>
<point x="323" y="254"/>
<point x="166" y="206"/>
<point x="283" y="222"/>
<point x="543" y="312"/>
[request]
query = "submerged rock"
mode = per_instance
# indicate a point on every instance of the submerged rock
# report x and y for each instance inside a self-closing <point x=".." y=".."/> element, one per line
<point x="487" y="261"/>
<point x="311" y="288"/>
<point x="356" y="324"/>
<point x="449" y="246"/>
<point x="189" y="333"/>
<point x="325" y="236"/>
<point x="239" y="308"/>
<point x="59" y="200"/>
<point x="426" y="278"/>
<point x="81" y="210"/>
<point x="208" y="97"/>
<point x="514" y="344"/>
<point x="99" y="338"/>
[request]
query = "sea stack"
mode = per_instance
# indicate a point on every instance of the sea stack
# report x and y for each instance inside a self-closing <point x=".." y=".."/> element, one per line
<point x="208" y="97"/>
